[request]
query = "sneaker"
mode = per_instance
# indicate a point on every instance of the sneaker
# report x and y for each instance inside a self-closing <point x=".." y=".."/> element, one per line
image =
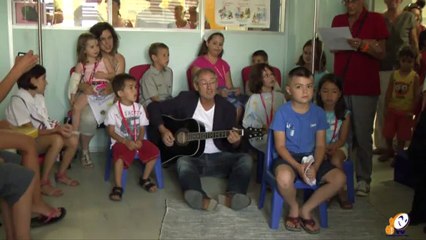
<point x="362" y="189"/>
<point x="85" y="160"/>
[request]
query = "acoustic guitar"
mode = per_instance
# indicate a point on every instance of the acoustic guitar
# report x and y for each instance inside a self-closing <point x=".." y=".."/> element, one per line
<point x="190" y="136"/>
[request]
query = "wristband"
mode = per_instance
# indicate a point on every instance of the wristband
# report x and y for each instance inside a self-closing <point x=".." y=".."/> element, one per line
<point x="365" y="47"/>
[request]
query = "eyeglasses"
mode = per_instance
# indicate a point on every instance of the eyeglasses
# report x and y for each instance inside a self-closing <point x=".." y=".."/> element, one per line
<point x="346" y="2"/>
<point x="205" y="84"/>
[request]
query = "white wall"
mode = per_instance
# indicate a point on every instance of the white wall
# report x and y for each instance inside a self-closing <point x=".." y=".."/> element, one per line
<point x="59" y="49"/>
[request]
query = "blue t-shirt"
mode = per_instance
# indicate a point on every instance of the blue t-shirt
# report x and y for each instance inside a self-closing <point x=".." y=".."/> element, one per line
<point x="300" y="129"/>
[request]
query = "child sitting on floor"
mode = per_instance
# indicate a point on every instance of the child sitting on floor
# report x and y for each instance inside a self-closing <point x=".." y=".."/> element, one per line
<point x="126" y="121"/>
<point x="299" y="131"/>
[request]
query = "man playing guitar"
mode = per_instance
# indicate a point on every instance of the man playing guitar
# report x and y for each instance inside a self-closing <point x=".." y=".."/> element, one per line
<point x="219" y="158"/>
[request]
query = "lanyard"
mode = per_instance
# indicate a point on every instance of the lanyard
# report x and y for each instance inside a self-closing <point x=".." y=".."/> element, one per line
<point x="268" y="119"/>
<point x="126" y="124"/>
<point x="334" y="131"/>
<point x="92" y="74"/>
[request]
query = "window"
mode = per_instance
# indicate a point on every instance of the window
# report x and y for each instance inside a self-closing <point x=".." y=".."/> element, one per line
<point x="242" y="15"/>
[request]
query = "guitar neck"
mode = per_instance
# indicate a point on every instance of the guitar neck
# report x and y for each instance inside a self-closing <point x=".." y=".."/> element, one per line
<point x="195" y="136"/>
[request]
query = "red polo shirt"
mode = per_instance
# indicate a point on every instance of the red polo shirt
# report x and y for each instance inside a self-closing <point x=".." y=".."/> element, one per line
<point x="362" y="74"/>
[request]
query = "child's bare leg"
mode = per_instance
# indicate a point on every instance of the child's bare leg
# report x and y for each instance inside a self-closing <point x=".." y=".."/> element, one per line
<point x="118" y="172"/>
<point x="400" y="145"/>
<point x="51" y="145"/>
<point x="27" y="149"/>
<point x="117" y="190"/>
<point x="7" y="220"/>
<point x="335" y="180"/>
<point x="80" y="102"/>
<point x="337" y="160"/>
<point x="71" y="145"/>
<point x="285" y="176"/>
<point x="85" y="140"/>
<point x="148" y="168"/>
<point x="21" y="214"/>
<point x="389" y="151"/>
<point x="145" y="182"/>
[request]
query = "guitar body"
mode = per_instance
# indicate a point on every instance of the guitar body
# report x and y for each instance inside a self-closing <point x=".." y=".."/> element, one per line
<point x="190" y="138"/>
<point x="181" y="147"/>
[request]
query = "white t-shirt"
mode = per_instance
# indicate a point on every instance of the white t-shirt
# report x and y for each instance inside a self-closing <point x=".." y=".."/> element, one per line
<point x="23" y="108"/>
<point x="134" y="116"/>
<point x="206" y="117"/>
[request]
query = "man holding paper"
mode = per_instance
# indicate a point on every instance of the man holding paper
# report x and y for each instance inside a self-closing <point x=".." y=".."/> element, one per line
<point x="359" y="69"/>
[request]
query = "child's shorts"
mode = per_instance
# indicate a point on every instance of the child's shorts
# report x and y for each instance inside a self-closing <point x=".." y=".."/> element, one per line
<point x="235" y="101"/>
<point x="399" y="124"/>
<point x="324" y="168"/>
<point x="14" y="182"/>
<point x="146" y="153"/>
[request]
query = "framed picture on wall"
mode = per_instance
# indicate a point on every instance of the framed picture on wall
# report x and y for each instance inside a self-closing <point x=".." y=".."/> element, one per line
<point x="25" y="12"/>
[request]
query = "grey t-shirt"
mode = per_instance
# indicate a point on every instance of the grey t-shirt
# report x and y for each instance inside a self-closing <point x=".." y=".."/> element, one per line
<point x="156" y="83"/>
<point x="399" y="36"/>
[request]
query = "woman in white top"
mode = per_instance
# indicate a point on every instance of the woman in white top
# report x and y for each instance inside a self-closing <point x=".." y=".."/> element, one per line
<point x="263" y="103"/>
<point x="27" y="108"/>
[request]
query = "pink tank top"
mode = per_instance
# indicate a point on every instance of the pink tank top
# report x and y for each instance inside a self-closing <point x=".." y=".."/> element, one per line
<point x="89" y="71"/>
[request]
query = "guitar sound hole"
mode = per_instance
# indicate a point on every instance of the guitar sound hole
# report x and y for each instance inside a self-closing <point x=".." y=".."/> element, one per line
<point x="181" y="138"/>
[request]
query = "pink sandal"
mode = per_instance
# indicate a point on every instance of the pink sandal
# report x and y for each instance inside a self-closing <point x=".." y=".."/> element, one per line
<point x="51" y="191"/>
<point x="64" y="179"/>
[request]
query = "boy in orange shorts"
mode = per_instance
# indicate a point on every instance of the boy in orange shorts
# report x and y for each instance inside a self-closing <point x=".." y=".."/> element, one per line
<point x="126" y="121"/>
<point x="401" y="99"/>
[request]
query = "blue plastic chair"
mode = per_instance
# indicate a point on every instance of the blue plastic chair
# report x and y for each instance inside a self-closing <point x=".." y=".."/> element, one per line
<point x="157" y="169"/>
<point x="277" y="200"/>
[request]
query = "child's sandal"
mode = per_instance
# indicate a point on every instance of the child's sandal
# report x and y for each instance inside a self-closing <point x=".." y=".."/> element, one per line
<point x="147" y="185"/>
<point x="64" y="179"/>
<point x="48" y="190"/>
<point x="116" y="194"/>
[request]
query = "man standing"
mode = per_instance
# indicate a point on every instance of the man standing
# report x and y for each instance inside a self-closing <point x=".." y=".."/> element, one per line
<point x="218" y="157"/>
<point x="359" y="69"/>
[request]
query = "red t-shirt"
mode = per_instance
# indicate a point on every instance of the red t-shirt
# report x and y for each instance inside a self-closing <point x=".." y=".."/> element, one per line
<point x="362" y="74"/>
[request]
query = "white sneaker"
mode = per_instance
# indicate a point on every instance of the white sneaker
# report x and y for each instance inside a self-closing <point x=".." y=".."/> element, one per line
<point x="362" y="189"/>
<point x="85" y="160"/>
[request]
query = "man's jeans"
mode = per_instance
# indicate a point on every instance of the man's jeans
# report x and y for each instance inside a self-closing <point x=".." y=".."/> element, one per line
<point x="236" y="166"/>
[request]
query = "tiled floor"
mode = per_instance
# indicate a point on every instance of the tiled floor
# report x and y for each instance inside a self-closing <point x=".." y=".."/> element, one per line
<point x="91" y="215"/>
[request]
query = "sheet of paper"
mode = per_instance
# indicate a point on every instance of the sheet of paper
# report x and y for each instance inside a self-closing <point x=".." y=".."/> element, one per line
<point x="336" y="38"/>
<point x="100" y="106"/>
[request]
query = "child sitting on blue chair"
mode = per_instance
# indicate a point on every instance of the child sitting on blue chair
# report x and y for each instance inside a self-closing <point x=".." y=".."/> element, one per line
<point x="330" y="98"/>
<point x="126" y="121"/>
<point x="299" y="131"/>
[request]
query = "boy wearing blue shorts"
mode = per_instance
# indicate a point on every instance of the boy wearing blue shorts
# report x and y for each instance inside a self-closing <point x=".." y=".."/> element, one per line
<point x="299" y="130"/>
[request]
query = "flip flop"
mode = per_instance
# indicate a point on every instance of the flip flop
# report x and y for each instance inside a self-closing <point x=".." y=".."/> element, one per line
<point x="295" y="221"/>
<point x="306" y="223"/>
<point x="49" y="219"/>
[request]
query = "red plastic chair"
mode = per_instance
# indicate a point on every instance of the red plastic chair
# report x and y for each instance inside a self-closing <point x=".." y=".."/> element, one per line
<point x="245" y="74"/>
<point x="72" y="70"/>
<point x="189" y="79"/>
<point x="137" y="72"/>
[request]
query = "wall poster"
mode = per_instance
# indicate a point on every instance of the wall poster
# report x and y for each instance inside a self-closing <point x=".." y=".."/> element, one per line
<point x="244" y="13"/>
